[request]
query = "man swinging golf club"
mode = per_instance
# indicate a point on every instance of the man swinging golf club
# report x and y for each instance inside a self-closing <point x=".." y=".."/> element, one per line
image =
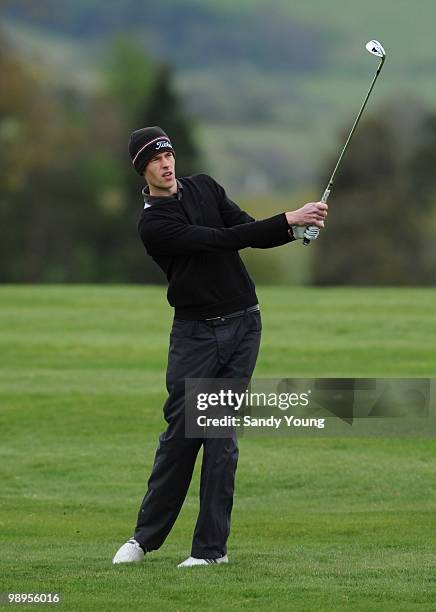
<point x="193" y="231"/>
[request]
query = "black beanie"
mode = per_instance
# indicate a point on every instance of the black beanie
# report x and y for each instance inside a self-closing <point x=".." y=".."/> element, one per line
<point x="145" y="143"/>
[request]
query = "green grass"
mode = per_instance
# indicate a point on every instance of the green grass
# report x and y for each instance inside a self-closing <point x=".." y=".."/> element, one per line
<point x="325" y="524"/>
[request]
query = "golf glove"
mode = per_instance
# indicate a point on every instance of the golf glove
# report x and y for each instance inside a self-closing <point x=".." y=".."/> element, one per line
<point x="311" y="232"/>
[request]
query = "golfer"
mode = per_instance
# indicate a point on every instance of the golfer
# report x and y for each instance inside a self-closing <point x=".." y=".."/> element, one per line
<point x="193" y="231"/>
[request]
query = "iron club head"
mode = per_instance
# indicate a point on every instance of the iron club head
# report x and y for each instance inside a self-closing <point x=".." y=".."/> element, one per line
<point x="376" y="48"/>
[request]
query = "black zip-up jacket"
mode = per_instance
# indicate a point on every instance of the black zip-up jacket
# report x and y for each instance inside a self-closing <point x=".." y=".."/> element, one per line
<point x="194" y="236"/>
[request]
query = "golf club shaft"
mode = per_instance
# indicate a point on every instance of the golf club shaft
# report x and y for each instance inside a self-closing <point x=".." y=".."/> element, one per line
<point x="350" y="135"/>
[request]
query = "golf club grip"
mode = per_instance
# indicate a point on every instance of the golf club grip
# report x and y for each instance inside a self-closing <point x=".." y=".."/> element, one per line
<point x="325" y="197"/>
<point x="306" y="241"/>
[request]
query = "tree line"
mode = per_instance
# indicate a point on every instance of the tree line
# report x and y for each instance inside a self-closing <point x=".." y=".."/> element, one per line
<point x="382" y="212"/>
<point x="69" y="199"/>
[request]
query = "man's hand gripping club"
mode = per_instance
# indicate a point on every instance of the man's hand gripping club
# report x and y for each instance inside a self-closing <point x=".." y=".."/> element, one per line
<point x="307" y="221"/>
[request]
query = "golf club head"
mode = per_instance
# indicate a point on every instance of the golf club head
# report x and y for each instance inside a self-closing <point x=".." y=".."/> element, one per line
<point x="376" y="48"/>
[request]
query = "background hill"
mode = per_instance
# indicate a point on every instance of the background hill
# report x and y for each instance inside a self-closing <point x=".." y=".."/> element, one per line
<point x="270" y="84"/>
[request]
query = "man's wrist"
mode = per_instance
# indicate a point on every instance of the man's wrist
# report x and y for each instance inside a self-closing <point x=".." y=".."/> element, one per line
<point x="290" y="218"/>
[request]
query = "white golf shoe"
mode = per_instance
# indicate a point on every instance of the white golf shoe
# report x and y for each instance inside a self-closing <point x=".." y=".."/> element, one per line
<point x="130" y="552"/>
<point x="192" y="561"/>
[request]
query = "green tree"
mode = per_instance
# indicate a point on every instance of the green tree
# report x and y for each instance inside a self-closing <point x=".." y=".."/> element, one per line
<point x="164" y="108"/>
<point x="69" y="198"/>
<point x="380" y="218"/>
<point x="143" y="94"/>
<point x="35" y="142"/>
<point x="52" y="225"/>
<point x="130" y="73"/>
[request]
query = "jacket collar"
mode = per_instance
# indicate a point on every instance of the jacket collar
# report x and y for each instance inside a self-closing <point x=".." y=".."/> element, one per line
<point x="149" y="200"/>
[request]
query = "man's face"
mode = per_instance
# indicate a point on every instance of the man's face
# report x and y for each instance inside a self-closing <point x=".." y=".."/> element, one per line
<point x="159" y="172"/>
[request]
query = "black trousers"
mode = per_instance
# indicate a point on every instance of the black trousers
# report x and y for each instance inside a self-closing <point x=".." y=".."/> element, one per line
<point x="198" y="349"/>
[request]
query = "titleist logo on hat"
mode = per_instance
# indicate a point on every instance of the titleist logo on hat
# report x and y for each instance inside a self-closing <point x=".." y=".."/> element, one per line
<point x="163" y="143"/>
<point x="144" y="143"/>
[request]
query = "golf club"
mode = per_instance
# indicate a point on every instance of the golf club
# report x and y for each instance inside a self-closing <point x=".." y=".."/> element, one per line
<point x="376" y="48"/>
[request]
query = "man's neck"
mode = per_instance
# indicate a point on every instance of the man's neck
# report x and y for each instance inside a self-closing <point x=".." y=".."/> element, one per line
<point x="157" y="192"/>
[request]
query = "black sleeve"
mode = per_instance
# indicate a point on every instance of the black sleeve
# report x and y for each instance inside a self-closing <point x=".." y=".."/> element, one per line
<point x="164" y="235"/>
<point x="280" y="239"/>
<point x="233" y="215"/>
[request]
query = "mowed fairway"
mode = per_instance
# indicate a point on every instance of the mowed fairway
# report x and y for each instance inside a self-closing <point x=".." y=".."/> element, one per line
<point x="326" y="524"/>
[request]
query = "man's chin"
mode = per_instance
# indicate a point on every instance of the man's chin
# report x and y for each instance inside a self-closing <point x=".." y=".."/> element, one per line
<point x="172" y="185"/>
<point x="162" y="186"/>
